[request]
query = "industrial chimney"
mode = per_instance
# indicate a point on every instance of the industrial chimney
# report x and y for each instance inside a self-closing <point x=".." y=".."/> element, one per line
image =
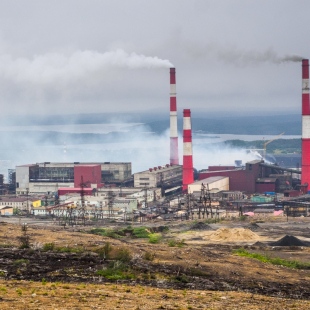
<point x="174" y="153"/>
<point x="188" y="170"/>
<point x="305" y="138"/>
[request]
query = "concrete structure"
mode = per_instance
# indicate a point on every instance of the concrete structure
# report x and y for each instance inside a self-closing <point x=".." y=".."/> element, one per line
<point x="188" y="169"/>
<point x="255" y="177"/>
<point x="218" y="182"/>
<point x="6" y="211"/>
<point x="47" y="177"/>
<point x="89" y="175"/>
<point x="174" y="152"/>
<point x="18" y="203"/>
<point x="305" y="160"/>
<point x="162" y="176"/>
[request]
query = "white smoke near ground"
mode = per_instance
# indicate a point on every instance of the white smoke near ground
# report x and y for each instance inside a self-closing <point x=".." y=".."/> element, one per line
<point x="135" y="144"/>
<point x="53" y="67"/>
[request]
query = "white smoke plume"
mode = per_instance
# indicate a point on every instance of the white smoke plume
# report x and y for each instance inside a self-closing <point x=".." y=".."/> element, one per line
<point x="54" y="66"/>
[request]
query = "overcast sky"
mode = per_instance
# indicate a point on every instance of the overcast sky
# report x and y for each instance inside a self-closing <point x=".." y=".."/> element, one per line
<point x="88" y="56"/>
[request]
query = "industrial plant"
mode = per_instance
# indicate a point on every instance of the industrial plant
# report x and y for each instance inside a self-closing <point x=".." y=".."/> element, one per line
<point x="76" y="191"/>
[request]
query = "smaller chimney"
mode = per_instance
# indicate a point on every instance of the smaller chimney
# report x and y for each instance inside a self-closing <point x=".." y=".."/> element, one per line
<point x="188" y="169"/>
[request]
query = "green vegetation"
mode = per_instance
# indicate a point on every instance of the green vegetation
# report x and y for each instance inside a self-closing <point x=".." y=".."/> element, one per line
<point x="104" y="252"/>
<point x="272" y="260"/>
<point x="24" y="239"/>
<point x="137" y="232"/>
<point x="284" y="146"/>
<point x="141" y="232"/>
<point x="155" y="238"/>
<point x="21" y="261"/>
<point x="119" y="269"/>
<point x="49" y="246"/>
<point x="117" y="272"/>
<point x="66" y="249"/>
<point x="106" y="232"/>
<point x="123" y="255"/>
<point x="176" y="243"/>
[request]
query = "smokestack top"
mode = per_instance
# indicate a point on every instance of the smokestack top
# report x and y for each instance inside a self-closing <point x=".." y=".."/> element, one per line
<point x="305" y="68"/>
<point x="172" y="70"/>
<point x="187" y="112"/>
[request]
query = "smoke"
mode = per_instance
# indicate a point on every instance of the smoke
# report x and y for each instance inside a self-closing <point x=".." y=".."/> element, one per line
<point x="255" y="57"/>
<point x="51" y="67"/>
<point x="234" y="55"/>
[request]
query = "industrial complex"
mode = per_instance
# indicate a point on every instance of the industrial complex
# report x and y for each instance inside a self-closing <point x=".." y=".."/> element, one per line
<point x="110" y="189"/>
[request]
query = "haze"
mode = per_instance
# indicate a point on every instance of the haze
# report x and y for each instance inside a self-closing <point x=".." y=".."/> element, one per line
<point x="113" y="56"/>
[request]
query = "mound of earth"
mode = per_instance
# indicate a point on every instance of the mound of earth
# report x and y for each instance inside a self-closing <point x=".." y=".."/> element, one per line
<point x="201" y="226"/>
<point x="259" y="244"/>
<point x="289" y="241"/>
<point x="234" y="235"/>
<point x="253" y="227"/>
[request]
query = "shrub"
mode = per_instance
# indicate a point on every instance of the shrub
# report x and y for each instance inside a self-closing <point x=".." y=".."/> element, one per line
<point x="123" y="255"/>
<point x="49" y="246"/>
<point x="154" y="238"/>
<point x="24" y="239"/>
<point x="104" y="252"/>
<point x="176" y="243"/>
<point x="141" y="232"/>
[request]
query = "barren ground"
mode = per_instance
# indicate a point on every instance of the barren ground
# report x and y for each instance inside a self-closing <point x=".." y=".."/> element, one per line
<point x="202" y="274"/>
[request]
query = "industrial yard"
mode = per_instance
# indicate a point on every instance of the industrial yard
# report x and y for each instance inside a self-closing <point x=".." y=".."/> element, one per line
<point x="176" y="265"/>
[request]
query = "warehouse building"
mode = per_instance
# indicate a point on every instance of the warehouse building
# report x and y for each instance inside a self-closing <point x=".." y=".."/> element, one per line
<point x="162" y="176"/>
<point x="48" y="177"/>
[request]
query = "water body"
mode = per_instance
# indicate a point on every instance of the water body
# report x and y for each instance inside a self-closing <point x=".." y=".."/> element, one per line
<point x="133" y="143"/>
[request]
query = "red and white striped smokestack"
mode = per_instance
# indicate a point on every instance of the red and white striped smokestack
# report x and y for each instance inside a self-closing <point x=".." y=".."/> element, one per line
<point x="174" y="153"/>
<point x="305" y="138"/>
<point x="188" y="169"/>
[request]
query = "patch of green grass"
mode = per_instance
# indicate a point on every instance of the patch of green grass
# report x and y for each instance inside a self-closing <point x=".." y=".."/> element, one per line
<point x="141" y="232"/>
<point x="21" y="261"/>
<point x="111" y="233"/>
<point x="272" y="260"/>
<point x="155" y="238"/>
<point x="117" y="271"/>
<point x="115" y="274"/>
<point x="48" y="246"/>
<point x="176" y="243"/>
<point x="67" y="249"/>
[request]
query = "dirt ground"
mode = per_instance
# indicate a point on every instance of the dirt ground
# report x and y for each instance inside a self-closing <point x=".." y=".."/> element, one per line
<point x="203" y="273"/>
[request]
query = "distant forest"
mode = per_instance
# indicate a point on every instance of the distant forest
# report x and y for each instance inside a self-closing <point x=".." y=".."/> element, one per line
<point x="280" y="146"/>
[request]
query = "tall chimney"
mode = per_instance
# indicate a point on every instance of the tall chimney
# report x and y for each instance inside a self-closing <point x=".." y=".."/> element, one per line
<point x="305" y="137"/>
<point x="188" y="170"/>
<point x="174" y="153"/>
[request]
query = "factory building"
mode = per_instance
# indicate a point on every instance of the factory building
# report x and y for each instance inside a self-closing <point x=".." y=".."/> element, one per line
<point x="255" y="177"/>
<point x="162" y="176"/>
<point x="47" y="176"/>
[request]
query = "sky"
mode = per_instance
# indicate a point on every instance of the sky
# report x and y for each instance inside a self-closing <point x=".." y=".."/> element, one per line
<point x="96" y="56"/>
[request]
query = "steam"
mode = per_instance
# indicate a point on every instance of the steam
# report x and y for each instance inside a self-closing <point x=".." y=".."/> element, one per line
<point x="54" y="66"/>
